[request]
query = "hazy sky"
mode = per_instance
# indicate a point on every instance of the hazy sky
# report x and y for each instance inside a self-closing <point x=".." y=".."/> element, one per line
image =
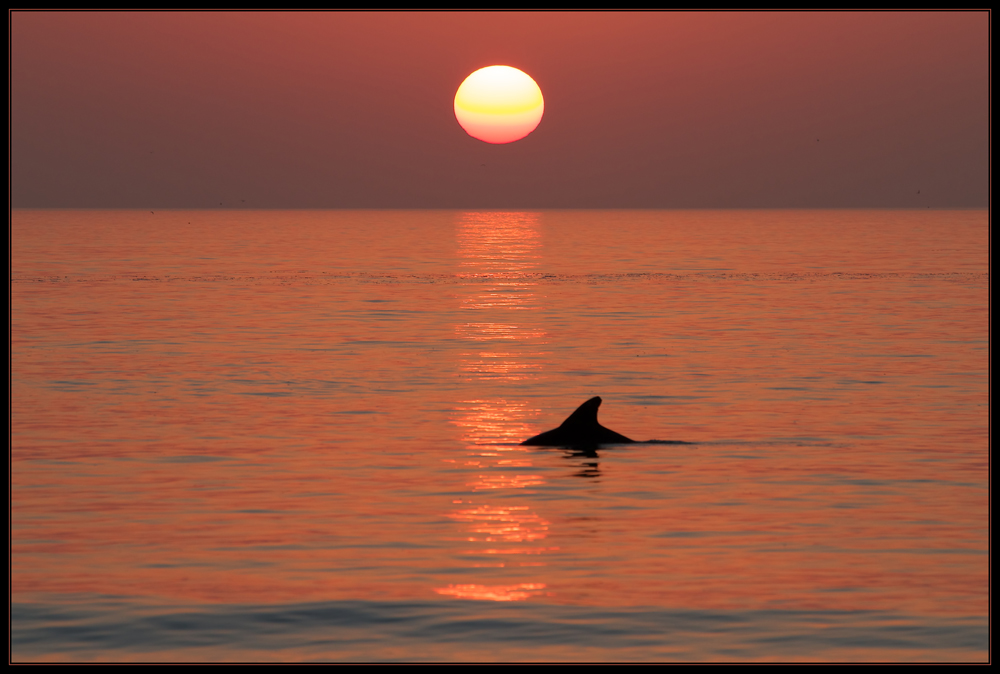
<point x="355" y="110"/>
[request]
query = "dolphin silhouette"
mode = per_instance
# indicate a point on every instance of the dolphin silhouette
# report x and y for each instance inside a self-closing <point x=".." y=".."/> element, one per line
<point x="580" y="429"/>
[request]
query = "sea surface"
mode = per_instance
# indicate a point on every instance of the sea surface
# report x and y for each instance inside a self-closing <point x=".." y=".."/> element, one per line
<point x="245" y="435"/>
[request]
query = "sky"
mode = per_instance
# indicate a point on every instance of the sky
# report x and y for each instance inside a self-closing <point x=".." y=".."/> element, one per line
<point x="642" y="110"/>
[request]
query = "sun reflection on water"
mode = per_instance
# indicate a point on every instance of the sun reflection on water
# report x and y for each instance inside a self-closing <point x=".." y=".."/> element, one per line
<point x="498" y="252"/>
<point x="492" y="422"/>
<point x="518" y="592"/>
<point x="503" y="523"/>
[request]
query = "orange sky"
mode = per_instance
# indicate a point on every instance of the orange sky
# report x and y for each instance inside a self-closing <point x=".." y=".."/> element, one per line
<point x="348" y="110"/>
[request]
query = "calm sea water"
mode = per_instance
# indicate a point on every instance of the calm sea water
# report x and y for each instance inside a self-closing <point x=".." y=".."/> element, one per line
<point x="293" y="435"/>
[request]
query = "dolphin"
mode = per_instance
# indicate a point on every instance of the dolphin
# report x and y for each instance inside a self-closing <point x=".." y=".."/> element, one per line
<point x="580" y="429"/>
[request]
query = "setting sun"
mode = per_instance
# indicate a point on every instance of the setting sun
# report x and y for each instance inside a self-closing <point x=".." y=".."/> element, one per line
<point x="499" y="104"/>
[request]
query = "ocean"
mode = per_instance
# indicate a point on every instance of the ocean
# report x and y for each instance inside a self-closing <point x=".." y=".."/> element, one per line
<point x="250" y="435"/>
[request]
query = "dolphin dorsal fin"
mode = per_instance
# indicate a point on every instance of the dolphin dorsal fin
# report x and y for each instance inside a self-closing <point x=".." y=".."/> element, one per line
<point x="585" y="414"/>
<point x="580" y="430"/>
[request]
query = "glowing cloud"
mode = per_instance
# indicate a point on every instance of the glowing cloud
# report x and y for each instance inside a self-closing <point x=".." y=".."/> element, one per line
<point x="499" y="104"/>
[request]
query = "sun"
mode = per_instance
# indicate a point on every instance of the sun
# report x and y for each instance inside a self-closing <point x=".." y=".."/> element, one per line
<point x="499" y="104"/>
